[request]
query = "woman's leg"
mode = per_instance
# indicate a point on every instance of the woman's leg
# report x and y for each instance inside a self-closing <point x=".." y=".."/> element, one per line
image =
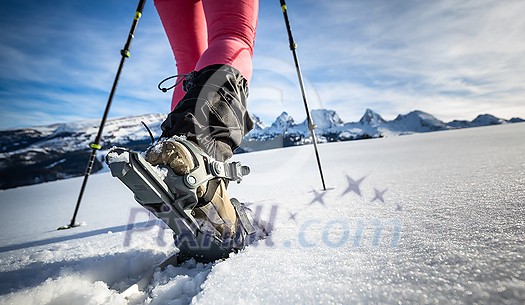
<point x="231" y="34"/>
<point x="212" y="113"/>
<point x="185" y="26"/>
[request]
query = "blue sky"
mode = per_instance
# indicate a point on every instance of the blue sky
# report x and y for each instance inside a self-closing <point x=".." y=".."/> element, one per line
<point x="453" y="59"/>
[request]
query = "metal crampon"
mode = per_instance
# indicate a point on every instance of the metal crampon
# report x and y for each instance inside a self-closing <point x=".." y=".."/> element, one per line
<point x="173" y="198"/>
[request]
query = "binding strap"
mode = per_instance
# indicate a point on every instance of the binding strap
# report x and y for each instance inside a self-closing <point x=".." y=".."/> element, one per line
<point x="243" y="217"/>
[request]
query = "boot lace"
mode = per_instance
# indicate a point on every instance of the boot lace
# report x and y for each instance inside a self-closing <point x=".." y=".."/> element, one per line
<point x="186" y="79"/>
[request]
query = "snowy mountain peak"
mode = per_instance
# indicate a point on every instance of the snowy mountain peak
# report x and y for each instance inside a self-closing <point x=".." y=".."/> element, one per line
<point x="417" y="120"/>
<point x="371" y="118"/>
<point x="257" y="122"/>
<point x="486" y="119"/>
<point x="416" y="114"/>
<point x="516" y="120"/>
<point x="283" y="121"/>
<point x="325" y="118"/>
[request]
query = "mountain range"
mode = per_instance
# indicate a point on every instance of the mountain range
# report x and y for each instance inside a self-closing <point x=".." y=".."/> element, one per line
<point x="39" y="154"/>
<point x="330" y="127"/>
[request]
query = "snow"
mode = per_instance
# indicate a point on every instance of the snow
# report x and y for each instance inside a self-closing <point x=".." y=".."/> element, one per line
<point x="56" y="163"/>
<point x="329" y="124"/>
<point x="325" y="119"/>
<point x="486" y="119"/>
<point x="115" y="157"/>
<point x="59" y="139"/>
<point x="282" y="123"/>
<point x="79" y="135"/>
<point x="371" y="118"/>
<point x="162" y="172"/>
<point x="427" y="218"/>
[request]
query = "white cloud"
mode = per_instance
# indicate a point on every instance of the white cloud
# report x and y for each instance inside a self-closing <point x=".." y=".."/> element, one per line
<point x="72" y="68"/>
<point x="452" y="59"/>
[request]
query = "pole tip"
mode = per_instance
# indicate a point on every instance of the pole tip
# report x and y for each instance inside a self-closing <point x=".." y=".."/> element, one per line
<point x="69" y="226"/>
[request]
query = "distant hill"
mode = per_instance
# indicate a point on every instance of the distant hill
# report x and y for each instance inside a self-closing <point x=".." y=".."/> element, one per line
<point x="39" y="154"/>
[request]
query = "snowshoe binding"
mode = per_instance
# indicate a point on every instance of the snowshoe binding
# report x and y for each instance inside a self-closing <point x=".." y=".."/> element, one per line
<point x="186" y="188"/>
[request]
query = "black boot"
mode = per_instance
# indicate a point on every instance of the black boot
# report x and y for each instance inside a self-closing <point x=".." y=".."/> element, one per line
<point x="213" y="112"/>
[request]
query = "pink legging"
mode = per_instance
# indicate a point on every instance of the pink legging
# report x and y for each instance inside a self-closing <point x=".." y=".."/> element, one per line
<point x="206" y="32"/>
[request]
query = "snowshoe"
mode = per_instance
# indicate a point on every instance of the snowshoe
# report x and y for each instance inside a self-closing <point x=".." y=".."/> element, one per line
<point x="185" y="188"/>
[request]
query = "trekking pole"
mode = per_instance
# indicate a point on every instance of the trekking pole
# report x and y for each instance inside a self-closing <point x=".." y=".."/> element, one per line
<point x="311" y="125"/>
<point x="96" y="145"/>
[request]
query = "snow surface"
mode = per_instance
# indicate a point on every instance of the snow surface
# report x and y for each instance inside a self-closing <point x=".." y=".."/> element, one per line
<point x="427" y="218"/>
<point x="115" y="157"/>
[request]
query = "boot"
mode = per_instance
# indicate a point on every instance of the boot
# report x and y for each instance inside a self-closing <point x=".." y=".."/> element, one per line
<point x="213" y="112"/>
<point x="213" y="115"/>
<point x="214" y="206"/>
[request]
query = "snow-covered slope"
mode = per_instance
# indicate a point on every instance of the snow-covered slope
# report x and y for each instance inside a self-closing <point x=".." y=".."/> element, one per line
<point x="59" y="151"/>
<point x="78" y="135"/>
<point x="430" y="218"/>
<point x="40" y="154"/>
